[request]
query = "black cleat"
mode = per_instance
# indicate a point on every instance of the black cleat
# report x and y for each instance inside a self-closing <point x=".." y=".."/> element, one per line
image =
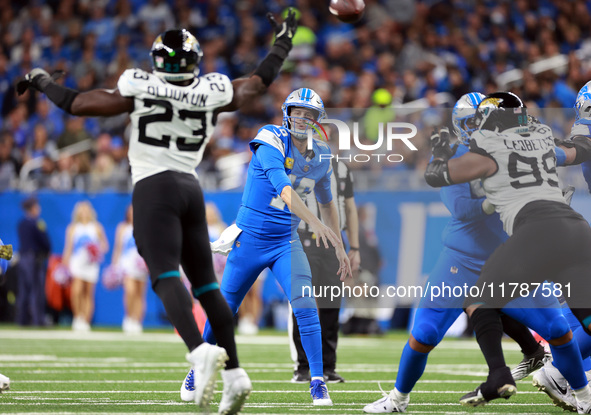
<point x="333" y="377"/>
<point x="488" y="390"/>
<point x="530" y="363"/>
<point x="301" y="376"/>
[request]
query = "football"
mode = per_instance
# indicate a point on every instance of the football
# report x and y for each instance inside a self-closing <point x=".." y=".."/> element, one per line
<point x="348" y="11"/>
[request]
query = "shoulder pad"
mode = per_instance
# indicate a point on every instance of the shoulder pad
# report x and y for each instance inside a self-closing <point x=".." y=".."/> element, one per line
<point x="273" y="136"/>
<point x="219" y="87"/>
<point x="130" y="82"/>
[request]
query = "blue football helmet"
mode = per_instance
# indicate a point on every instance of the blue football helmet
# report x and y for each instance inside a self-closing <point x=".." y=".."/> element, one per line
<point x="583" y="104"/>
<point x="302" y="98"/>
<point x="463" y="115"/>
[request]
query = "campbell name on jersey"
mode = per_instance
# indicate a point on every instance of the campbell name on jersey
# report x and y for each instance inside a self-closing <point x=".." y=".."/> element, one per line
<point x="526" y="172"/>
<point x="171" y="124"/>
<point x="263" y="213"/>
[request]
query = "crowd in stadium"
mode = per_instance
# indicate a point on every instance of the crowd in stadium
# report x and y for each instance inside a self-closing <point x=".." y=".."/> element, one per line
<point x="401" y="52"/>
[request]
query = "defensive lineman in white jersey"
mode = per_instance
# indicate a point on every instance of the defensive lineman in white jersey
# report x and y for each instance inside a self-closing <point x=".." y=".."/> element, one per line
<point x="519" y="179"/>
<point x="549" y="241"/>
<point x="172" y="113"/>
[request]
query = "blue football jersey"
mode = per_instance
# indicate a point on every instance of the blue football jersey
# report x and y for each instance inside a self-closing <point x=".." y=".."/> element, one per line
<point x="262" y="212"/>
<point x="470" y="231"/>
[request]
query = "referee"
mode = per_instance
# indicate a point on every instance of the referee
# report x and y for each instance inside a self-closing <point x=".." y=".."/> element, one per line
<point x="324" y="263"/>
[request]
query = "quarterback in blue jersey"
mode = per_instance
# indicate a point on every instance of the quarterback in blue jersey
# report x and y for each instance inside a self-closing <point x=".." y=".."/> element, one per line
<point x="283" y="170"/>
<point x="472" y="234"/>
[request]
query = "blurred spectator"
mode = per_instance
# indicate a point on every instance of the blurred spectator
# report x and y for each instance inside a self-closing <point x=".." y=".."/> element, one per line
<point x="413" y="49"/>
<point x="84" y="250"/>
<point x="380" y="112"/>
<point x="34" y="250"/>
<point x="135" y="274"/>
<point x="9" y="165"/>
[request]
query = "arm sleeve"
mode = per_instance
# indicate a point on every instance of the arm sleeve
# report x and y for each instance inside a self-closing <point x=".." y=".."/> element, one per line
<point x="271" y="161"/>
<point x="459" y="202"/>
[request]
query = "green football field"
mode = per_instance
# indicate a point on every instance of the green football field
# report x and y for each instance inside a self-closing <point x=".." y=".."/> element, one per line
<point x="59" y="372"/>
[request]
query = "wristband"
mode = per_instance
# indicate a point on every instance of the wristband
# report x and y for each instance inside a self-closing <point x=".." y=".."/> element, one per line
<point x="353" y="249"/>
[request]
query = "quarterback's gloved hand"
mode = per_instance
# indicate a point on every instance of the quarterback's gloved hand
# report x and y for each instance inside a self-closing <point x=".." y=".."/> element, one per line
<point x="284" y="31"/>
<point x="38" y="79"/>
<point x="439" y="142"/>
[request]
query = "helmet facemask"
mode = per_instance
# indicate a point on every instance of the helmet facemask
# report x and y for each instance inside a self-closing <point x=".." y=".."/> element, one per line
<point x="176" y="55"/>
<point x="301" y="122"/>
<point x="300" y="126"/>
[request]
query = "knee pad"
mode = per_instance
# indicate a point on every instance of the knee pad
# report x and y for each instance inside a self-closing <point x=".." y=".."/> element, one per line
<point x="303" y="303"/>
<point x="427" y="333"/>
<point x="556" y="327"/>
<point x="307" y="319"/>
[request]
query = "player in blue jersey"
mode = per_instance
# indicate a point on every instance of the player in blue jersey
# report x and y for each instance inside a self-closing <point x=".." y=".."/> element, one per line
<point x="283" y="170"/>
<point x="471" y="235"/>
<point x="548" y="240"/>
<point x="582" y="125"/>
<point x="5" y="256"/>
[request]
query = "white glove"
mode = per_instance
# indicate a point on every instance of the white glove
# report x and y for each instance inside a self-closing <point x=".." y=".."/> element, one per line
<point x="223" y="245"/>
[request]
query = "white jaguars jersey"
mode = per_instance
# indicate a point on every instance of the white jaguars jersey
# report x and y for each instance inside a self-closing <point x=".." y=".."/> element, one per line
<point x="171" y="124"/>
<point x="526" y="169"/>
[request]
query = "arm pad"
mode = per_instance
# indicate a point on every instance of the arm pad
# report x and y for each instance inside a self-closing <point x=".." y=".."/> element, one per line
<point x="437" y="174"/>
<point x="270" y="66"/>
<point x="61" y="96"/>
<point x="583" y="146"/>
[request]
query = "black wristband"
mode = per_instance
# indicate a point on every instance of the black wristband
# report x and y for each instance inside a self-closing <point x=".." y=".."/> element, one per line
<point x="60" y="96"/>
<point x="281" y="47"/>
<point x="353" y="249"/>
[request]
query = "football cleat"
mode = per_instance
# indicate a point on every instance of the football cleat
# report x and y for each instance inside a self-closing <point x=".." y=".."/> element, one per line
<point x="530" y="364"/>
<point x="301" y="376"/>
<point x="188" y="387"/>
<point x="389" y="403"/>
<point x="207" y="360"/>
<point x="319" y="393"/>
<point x="550" y="381"/>
<point x="237" y="388"/>
<point x="583" y="398"/>
<point x="4" y="383"/>
<point x="488" y="390"/>
<point x="333" y="377"/>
